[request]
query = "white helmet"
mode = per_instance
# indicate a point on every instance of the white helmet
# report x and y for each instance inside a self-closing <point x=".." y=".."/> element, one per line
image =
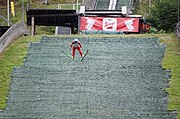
<point x="75" y="40"/>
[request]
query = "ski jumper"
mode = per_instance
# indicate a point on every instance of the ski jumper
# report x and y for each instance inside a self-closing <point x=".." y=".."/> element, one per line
<point x="76" y="45"/>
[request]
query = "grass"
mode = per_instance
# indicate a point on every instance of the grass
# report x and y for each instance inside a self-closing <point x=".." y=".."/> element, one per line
<point x="13" y="56"/>
<point x="16" y="52"/>
<point x="172" y="61"/>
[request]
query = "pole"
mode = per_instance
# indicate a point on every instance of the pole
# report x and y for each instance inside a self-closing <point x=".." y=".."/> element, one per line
<point x="8" y="12"/>
<point x="22" y="10"/>
<point x="178" y="10"/>
<point x="32" y="26"/>
<point x="77" y="6"/>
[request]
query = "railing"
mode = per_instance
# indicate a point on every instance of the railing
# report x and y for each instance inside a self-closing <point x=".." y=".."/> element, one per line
<point x="14" y="32"/>
<point x="68" y="6"/>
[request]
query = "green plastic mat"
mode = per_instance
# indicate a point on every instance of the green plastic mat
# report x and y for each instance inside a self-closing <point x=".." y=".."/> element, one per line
<point x="120" y="78"/>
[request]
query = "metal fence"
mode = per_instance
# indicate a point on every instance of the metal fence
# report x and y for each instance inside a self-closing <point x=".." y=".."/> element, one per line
<point x="11" y="34"/>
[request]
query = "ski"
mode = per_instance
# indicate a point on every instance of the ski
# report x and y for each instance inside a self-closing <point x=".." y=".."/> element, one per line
<point x="84" y="55"/>
<point x="68" y="55"/>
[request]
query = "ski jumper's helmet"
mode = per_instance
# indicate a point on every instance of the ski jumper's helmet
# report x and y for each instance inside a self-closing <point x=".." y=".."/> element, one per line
<point x="75" y="40"/>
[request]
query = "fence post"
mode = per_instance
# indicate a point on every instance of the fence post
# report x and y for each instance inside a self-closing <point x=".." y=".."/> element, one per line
<point x="32" y="26"/>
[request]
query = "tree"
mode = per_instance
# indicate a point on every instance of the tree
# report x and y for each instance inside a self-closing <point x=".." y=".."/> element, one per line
<point x="165" y="14"/>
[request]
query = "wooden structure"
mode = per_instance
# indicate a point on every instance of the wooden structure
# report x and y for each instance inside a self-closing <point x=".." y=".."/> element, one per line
<point x="52" y="17"/>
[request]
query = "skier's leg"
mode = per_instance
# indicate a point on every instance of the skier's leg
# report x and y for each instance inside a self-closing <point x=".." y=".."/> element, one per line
<point x="73" y="51"/>
<point x="80" y="52"/>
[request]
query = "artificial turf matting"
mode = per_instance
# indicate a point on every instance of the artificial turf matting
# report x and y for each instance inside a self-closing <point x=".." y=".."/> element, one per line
<point x="120" y="78"/>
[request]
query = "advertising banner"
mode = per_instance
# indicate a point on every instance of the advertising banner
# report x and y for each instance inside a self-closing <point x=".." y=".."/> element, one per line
<point x="109" y="24"/>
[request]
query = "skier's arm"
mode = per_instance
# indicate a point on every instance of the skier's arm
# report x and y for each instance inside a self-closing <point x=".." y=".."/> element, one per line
<point x="80" y="44"/>
<point x="71" y="44"/>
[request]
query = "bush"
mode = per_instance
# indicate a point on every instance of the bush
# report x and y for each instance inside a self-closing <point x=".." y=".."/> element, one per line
<point x="164" y="14"/>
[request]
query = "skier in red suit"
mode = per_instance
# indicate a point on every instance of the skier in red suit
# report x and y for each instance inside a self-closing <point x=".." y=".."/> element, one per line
<point x="76" y="45"/>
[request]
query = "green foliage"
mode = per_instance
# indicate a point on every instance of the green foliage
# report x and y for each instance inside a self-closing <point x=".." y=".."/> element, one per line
<point x="141" y="8"/>
<point x="164" y="13"/>
<point x="156" y="31"/>
<point x="161" y="14"/>
<point x="48" y="30"/>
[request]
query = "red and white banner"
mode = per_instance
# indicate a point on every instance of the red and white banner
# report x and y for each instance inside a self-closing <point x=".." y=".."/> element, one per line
<point x="109" y="24"/>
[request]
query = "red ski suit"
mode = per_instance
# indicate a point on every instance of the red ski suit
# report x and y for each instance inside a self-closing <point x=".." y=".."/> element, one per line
<point x="76" y="46"/>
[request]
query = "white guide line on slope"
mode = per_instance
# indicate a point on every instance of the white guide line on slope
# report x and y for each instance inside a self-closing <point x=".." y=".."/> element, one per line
<point x="112" y="5"/>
